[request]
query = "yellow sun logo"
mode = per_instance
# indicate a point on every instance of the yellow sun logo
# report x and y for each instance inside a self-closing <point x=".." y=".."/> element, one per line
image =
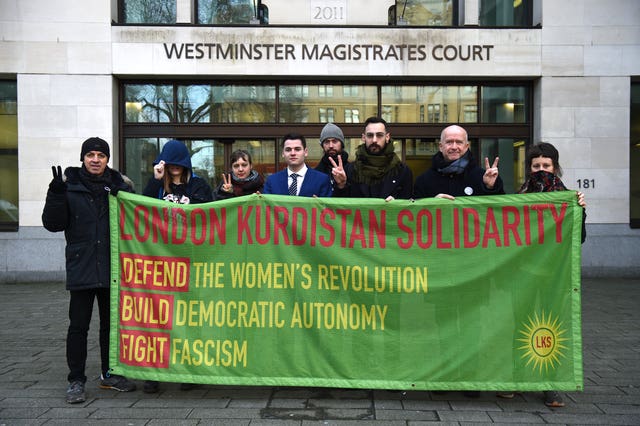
<point x="543" y="342"/>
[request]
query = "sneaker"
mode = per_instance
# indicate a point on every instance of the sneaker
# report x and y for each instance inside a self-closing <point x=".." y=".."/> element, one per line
<point x="75" y="392"/>
<point x="151" y="386"/>
<point x="506" y="395"/>
<point x="115" y="382"/>
<point x="553" y="399"/>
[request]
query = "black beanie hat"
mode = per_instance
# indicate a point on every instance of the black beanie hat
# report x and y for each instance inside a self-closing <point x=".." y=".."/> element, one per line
<point x="95" y="144"/>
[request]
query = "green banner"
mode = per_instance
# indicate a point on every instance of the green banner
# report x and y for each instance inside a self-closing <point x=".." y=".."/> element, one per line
<point x="480" y="293"/>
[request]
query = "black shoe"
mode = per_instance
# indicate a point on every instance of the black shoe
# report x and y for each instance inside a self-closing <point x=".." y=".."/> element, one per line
<point x="115" y="382"/>
<point x="187" y="386"/>
<point x="553" y="399"/>
<point x="151" y="386"/>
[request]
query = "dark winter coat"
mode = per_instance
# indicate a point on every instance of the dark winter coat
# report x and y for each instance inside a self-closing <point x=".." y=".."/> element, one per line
<point x="398" y="186"/>
<point x="469" y="182"/>
<point x="86" y="229"/>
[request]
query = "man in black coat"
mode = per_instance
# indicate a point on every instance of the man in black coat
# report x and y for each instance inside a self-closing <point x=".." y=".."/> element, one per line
<point x="77" y="203"/>
<point x="378" y="172"/>
<point x="454" y="172"/>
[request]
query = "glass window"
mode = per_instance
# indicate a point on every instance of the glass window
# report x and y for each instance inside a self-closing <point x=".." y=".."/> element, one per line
<point x="506" y="13"/>
<point x="221" y="12"/>
<point x="504" y="104"/>
<point x="634" y="157"/>
<point x="326" y="102"/>
<point x="424" y="12"/>
<point x="149" y="11"/>
<point x="512" y="155"/>
<point x="226" y="104"/>
<point x="148" y="103"/>
<point x="407" y="104"/>
<point x="8" y="156"/>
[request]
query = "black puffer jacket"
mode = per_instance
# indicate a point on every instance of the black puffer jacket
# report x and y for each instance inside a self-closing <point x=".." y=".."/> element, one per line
<point x="86" y="230"/>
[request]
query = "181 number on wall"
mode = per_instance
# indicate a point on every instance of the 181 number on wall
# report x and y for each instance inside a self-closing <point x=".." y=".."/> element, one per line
<point x="586" y="183"/>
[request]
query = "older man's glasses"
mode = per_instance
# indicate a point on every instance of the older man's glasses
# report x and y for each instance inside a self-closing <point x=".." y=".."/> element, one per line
<point x="376" y="135"/>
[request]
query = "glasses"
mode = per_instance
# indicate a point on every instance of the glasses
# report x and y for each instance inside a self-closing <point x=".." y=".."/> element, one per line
<point x="377" y="135"/>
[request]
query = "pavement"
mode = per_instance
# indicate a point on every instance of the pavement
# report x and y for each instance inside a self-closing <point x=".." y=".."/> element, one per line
<point x="33" y="371"/>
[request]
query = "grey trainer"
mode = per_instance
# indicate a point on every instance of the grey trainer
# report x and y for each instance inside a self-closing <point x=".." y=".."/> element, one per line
<point x="75" y="392"/>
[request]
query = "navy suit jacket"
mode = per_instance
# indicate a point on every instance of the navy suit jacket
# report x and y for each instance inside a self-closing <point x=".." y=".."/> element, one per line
<point x="314" y="183"/>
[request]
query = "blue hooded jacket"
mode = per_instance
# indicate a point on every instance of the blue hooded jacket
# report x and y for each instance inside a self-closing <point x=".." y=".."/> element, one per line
<point x="176" y="153"/>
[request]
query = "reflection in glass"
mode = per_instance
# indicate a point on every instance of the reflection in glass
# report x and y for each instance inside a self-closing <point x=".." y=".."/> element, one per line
<point x="325" y="103"/>
<point x="194" y="104"/>
<point x="149" y="11"/>
<point x="428" y="104"/>
<point x="424" y="12"/>
<point x="220" y="12"/>
<point x="512" y="153"/>
<point x="8" y="156"/>
<point x="505" y="13"/>
<point x="504" y="104"/>
<point x="634" y="156"/>
<point x="148" y="103"/>
<point x="140" y="154"/>
<point x="243" y="104"/>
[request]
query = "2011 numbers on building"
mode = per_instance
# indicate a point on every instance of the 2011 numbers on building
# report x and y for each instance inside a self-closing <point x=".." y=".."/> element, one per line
<point x="328" y="13"/>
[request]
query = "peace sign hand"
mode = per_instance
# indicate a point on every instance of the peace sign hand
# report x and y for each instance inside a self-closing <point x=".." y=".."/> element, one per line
<point x="338" y="173"/>
<point x="491" y="172"/>
<point x="57" y="184"/>
<point x="226" y="183"/>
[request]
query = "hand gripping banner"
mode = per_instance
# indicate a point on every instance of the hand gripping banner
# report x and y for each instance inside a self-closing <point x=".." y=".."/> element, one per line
<point x="480" y="293"/>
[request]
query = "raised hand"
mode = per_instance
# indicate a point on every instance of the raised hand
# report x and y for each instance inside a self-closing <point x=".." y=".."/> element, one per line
<point x="57" y="184"/>
<point x="491" y="172"/>
<point x="338" y="173"/>
<point x="226" y="183"/>
<point x="158" y="170"/>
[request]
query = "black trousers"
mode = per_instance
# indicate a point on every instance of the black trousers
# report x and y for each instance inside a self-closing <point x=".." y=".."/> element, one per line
<point x="80" y="310"/>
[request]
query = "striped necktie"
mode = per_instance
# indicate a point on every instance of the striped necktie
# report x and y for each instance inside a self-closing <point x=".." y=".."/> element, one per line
<point x="293" y="189"/>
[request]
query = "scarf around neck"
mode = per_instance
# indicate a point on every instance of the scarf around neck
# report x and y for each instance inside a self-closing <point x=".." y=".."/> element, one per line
<point x="371" y="169"/>
<point x="456" y="167"/>
<point x="542" y="182"/>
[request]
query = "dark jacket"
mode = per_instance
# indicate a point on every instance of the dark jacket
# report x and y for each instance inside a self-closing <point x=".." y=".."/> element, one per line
<point x="197" y="189"/>
<point x="86" y="229"/>
<point x="469" y="182"/>
<point x="399" y="186"/>
<point x="325" y="167"/>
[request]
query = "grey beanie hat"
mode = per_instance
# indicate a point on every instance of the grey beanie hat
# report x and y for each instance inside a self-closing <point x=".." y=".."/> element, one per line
<point x="330" y="130"/>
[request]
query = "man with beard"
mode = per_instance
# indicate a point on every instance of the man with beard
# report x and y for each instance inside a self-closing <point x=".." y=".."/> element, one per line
<point x="454" y="172"/>
<point x="334" y="162"/>
<point x="378" y="172"/>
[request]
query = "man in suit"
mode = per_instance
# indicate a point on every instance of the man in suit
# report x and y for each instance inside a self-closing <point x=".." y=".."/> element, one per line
<point x="297" y="178"/>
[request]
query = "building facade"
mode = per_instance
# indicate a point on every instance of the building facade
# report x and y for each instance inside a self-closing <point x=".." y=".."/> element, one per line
<point x="228" y="74"/>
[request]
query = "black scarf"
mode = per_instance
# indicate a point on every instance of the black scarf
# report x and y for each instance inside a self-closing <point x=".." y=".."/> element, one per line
<point x="98" y="186"/>
<point x="542" y="182"/>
